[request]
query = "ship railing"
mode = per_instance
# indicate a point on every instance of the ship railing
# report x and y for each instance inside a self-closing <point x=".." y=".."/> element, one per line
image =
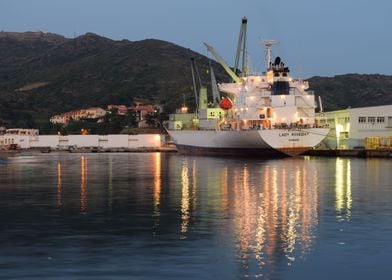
<point x="298" y="126"/>
<point x="291" y="126"/>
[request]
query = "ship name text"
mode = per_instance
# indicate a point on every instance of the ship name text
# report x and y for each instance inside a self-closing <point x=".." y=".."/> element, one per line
<point x="286" y="134"/>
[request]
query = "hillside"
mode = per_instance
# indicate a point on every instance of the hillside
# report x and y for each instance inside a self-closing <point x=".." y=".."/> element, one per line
<point x="353" y="90"/>
<point x="42" y="74"/>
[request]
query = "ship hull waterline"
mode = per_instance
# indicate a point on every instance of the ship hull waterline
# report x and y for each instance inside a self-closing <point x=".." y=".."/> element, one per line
<point x="275" y="143"/>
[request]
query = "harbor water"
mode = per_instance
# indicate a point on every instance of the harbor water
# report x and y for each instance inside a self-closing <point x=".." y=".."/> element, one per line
<point x="167" y="216"/>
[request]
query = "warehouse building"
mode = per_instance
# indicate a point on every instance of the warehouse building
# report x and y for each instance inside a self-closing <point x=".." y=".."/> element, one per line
<point x="353" y="128"/>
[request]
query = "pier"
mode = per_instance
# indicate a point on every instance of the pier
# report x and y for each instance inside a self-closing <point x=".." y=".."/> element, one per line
<point x="379" y="153"/>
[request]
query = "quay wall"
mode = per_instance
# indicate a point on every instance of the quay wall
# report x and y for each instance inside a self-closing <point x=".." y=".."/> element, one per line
<point x="380" y="153"/>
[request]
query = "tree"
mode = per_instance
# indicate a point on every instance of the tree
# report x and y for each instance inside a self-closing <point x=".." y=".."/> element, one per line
<point x="112" y="123"/>
<point x="131" y="119"/>
<point x="151" y="119"/>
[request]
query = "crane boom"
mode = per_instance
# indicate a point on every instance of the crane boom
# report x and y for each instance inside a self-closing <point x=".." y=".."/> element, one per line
<point x="193" y="66"/>
<point x="241" y="41"/>
<point x="223" y="63"/>
<point x="214" y="86"/>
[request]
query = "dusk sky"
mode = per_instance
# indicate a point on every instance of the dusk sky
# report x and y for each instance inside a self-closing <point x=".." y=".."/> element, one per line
<point x="323" y="38"/>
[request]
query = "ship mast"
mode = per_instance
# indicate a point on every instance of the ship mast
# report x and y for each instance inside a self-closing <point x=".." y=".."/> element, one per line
<point x="268" y="46"/>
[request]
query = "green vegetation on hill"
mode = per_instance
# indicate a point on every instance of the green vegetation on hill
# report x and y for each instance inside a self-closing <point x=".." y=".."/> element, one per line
<point x="40" y="78"/>
<point x="43" y="74"/>
<point x="353" y="90"/>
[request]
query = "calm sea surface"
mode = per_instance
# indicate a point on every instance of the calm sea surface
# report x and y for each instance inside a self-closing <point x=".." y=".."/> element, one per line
<point x="166" y="216"/>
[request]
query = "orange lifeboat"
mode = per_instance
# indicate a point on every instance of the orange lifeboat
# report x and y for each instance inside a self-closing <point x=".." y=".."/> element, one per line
<point x="226" y="103"/>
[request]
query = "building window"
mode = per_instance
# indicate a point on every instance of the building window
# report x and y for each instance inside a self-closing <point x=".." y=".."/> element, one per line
<point x="362" y="119"/>
<point x="389" y="121"/>
<point x="347" y="119"/>
<point x="380" y="119"/>
<point x="371" y="119"/>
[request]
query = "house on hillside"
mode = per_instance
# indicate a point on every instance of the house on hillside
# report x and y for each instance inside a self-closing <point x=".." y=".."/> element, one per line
<point x="89" y="113"/>
<point x="92" y="113"/>
<point x="60" y="119"/>
<point x="121" y="109"/>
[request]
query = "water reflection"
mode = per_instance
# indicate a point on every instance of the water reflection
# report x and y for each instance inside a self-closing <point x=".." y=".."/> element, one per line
<point x="83" y="184"/>
<point x="157" y="184"/>
<point x="170" y="216"/>
<point x="185" y="199"/>
<point x="273" y="207"/>
<point x="343" y="201"/>
<point x="276" y="214"/>
<point x="270" y="208"/>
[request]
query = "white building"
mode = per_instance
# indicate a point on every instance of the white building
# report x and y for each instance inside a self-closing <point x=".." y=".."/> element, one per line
<point x="22" y="131"/>
<point x="123" y="141"/>
<point x="17" y="136"/>
<point x="369" y="127"/>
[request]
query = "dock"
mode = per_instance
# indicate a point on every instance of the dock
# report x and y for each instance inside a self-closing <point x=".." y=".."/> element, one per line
<point x="363" y="153"/>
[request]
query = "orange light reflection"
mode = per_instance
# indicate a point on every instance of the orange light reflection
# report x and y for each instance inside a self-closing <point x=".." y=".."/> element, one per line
<point x="83" y="184"/>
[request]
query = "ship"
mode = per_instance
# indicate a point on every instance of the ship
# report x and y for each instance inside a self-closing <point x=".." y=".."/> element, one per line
<point x="261" y="115"/>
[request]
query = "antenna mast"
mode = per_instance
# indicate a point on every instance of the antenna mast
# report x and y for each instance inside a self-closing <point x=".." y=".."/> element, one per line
<point x="268" y="46"/>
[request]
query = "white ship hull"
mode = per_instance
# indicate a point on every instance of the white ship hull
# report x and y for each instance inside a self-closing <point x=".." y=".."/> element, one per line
<point x="260" y="143"/>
